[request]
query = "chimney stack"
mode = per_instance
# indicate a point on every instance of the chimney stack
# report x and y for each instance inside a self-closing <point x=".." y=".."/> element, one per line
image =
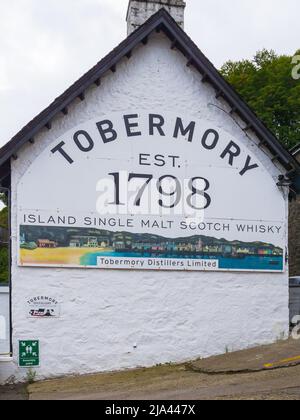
<point x="141" y="10"/>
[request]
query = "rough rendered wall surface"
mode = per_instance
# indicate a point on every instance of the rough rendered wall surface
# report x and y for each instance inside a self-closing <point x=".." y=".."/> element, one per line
<point x="115" y="319"/>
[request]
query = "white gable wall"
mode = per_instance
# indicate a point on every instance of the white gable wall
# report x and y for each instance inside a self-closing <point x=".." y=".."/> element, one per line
<point x="114" y="319"/>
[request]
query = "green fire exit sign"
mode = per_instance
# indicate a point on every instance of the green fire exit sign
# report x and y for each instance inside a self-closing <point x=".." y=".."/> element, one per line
<point x="29" y="353"/>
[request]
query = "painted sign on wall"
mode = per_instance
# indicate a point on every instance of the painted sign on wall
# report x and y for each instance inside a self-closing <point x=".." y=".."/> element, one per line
<point x="42" y="307"/>
<point x="150" y="191"/>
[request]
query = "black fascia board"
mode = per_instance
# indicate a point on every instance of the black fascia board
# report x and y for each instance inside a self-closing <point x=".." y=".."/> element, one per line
<point x="164" y="22"/>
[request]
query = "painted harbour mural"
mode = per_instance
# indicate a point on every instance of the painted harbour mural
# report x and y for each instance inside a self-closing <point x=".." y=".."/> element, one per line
<point x="88" y="247"/>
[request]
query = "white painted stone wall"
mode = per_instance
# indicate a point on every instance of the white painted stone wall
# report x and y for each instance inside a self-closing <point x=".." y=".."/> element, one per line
<point x="115" y="319"/>
<point x="7" y="367"/>
<point x="4" y="320"/>
<point x="141" y="10"/>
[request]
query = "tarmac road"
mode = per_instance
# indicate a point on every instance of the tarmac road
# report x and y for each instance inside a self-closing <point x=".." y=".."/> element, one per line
<point x="263" y="373"/>
<point x="173" y="383"/>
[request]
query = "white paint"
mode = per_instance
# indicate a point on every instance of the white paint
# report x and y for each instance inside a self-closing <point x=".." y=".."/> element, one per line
<point x="7" y="367"/>
<point x="8" y="371"/>
<point x="141" y="10"/>
<point x="113" y="320"/>
<point x="4" y="320"/>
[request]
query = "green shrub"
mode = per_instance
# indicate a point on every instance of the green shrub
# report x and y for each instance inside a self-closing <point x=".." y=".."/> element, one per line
<point x="4" y="269"/>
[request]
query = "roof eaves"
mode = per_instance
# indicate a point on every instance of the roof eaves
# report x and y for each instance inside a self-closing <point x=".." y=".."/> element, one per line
<point x="161" y="20"/>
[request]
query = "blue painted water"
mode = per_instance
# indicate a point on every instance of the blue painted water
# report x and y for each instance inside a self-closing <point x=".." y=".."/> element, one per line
<point x="225" y="263"/>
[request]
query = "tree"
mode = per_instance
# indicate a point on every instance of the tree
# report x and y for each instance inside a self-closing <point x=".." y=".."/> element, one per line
<point x="267" y="85"/>
<point x="4" y="218"/>
<point x="4" y="211"/>
<point x="4" y="274"/>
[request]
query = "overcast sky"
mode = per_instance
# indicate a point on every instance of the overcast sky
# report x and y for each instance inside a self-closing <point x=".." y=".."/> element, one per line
<point x="47" y="45"/>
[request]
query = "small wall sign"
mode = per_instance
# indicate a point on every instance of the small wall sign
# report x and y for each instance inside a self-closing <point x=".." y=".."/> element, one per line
<point x="29" y="353"/>
<point x="43" y="307"/>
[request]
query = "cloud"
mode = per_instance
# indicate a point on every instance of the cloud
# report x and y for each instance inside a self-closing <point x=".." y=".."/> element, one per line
<point x="46" y="45"/>
<point x="235" y="29"/>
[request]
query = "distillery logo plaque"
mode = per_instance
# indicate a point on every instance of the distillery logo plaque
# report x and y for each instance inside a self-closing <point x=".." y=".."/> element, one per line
<point x="151" y="191"/>
<point x="43" y="307"/>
